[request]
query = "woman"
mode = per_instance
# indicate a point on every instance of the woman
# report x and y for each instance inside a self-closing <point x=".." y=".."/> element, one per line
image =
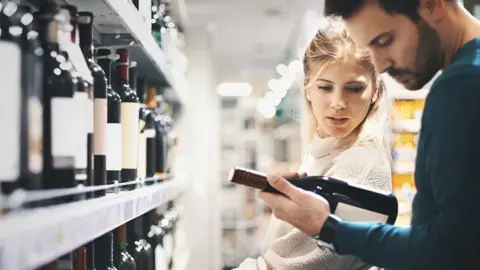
<point x="347" y="130"/>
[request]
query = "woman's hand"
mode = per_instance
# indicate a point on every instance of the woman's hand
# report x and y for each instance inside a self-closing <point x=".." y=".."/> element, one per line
<point x="304" y="210"/>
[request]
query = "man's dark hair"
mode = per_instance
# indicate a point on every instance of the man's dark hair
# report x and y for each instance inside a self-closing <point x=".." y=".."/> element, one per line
<point x="348" y="8"/>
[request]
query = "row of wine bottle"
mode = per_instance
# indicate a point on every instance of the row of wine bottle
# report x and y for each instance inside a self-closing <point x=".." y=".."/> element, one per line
<point x="145" y="243"/>
<point x="71" y="117"/>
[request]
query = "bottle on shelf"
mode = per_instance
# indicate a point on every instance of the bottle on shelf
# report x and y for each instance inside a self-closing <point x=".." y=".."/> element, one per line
<point x="150" y="167"/>
<point x="85" y="28"/>
<point x="104" y="257"/>
<point x="67" y="37"/>
<point x="155" y="236"/>
<point x="142" y="115"/>
<point x="21" y="48"/>
<point x="80" y="259"/>
<point x="123" y="259"/>
<point x="59" y="128"/>
<point x="129" y="119"/>
<point x="140" y="249"/>
<point x="160" y="134"/>
<point x="114" y="127"/>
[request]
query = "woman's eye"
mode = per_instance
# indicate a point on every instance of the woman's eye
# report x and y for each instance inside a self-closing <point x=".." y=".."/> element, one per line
<point x="384" y="42"/>
<point x="324" y="88"/>
<point x="355" y="89"/>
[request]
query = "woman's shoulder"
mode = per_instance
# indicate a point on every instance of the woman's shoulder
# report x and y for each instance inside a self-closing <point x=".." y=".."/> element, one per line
<point x="365" y="164"/>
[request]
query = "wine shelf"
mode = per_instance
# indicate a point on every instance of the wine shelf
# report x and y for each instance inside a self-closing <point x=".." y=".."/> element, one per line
<point x="119" y="24"/>
<point x="29" y="240"/>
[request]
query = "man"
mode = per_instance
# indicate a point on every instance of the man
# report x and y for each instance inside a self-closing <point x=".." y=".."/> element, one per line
<point x="412" y="40"/>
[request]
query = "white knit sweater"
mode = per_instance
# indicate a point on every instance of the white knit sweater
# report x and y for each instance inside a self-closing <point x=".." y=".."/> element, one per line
<point x="287" y="247"/>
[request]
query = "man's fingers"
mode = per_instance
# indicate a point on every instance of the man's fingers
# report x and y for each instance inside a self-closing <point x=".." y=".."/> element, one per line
<point x="279" y="204"/>
<point x="293" y="175"/>
<point x="282" y="185"/>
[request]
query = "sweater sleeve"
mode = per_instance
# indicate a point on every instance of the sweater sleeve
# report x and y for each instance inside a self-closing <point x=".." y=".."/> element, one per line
<point x="451" y="148"/>
<point x="295" y="250"/>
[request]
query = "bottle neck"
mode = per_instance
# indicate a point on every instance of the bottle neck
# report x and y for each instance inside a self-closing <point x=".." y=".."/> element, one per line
<point x="86" y="41"/>
<point x="49" y="31"/>
<point x="110" y="259"/>
<point x="122" y="73"/>
<point x="90" y="256"/>
<point x="105" y="64"/>
<point x="122" y="237"/>
<point x="132" y="77"/>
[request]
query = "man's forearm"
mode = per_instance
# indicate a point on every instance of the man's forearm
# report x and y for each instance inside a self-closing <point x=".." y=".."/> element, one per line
<point x="421" y="247"/>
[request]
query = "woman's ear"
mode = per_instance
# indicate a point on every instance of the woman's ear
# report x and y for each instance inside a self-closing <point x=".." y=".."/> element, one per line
<point x="307" y="96"/>
<point x="375" y="96"/>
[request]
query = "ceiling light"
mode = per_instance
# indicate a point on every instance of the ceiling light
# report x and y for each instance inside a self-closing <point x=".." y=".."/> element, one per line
<point x="282" y="69"/>
<point x="295" y="67"/>
<point x="273" y="98"/>
<point x="234" y="89"/>
<point x="266" y="109"/>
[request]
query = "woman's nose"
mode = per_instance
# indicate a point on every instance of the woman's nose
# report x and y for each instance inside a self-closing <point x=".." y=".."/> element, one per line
<point x="338" y="102"/>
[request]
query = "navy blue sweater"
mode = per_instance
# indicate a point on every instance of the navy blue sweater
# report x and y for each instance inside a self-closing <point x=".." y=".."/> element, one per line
<point x="445" y="229"/>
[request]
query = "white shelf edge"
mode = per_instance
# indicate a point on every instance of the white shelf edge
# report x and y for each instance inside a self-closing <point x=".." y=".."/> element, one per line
<point x="133" y="22"/>
<point x="29" y="240"/>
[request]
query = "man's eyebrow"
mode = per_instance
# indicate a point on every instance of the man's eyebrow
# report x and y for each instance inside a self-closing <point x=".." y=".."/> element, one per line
<point x="374" y="41"/>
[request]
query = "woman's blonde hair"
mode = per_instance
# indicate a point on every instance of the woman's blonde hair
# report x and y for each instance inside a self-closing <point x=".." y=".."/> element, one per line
<point x="332" y="44"/>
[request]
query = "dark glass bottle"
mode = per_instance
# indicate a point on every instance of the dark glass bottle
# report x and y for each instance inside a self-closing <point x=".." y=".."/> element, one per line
<point x="140" y="249"/>
<point x="22" y="50"/>
<point x="59" y="129"/>
<point x="155" y="236"/>
<point x="142" y="114"/>
<point x="160" y="135"/>
<point x="85" y="28"/>
<point x="80" y="259"/>
<point x="82" y="101"/>
<point x="129" y="119"/>
<point x="114" y="127"/>
<point x="123" y="259"/>
<point x="104" y="258"/>
<point x="150" y="167"/>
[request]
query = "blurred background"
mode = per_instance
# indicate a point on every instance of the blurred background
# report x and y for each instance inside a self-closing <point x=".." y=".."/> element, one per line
<point x="224" y="79"/>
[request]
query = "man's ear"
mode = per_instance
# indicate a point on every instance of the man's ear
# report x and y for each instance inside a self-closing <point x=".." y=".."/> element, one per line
<point x="432" y="10"/>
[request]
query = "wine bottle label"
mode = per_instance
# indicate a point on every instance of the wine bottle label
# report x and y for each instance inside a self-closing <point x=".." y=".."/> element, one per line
<point x="100" y="127"/>
<point x="35" y="135"/>
<point x="10" y="107"/>
<point x="149" y="133"/>
<point x="142" y="156"/>
<point x="81" y="101"/>
<point x="64" y="128"/>
<point x="141" y="124"/>
<point x="129" y="120"/>
<point x="351" y="213"/>
<point x="161" y="262"/>
<point x="114" y="147"/>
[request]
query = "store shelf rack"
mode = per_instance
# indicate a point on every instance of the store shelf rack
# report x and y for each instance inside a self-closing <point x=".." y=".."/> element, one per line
<point x="118" y="24"/>
<point x="32" y="237"/>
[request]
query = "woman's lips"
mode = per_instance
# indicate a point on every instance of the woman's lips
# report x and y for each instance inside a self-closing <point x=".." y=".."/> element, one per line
<point x="337" y="121"/>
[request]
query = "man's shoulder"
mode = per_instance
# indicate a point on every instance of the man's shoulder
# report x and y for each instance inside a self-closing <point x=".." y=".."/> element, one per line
<point x="465" y="66"/>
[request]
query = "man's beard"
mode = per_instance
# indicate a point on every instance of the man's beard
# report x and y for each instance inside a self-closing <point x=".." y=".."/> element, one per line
<point x="428" y="58"/>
